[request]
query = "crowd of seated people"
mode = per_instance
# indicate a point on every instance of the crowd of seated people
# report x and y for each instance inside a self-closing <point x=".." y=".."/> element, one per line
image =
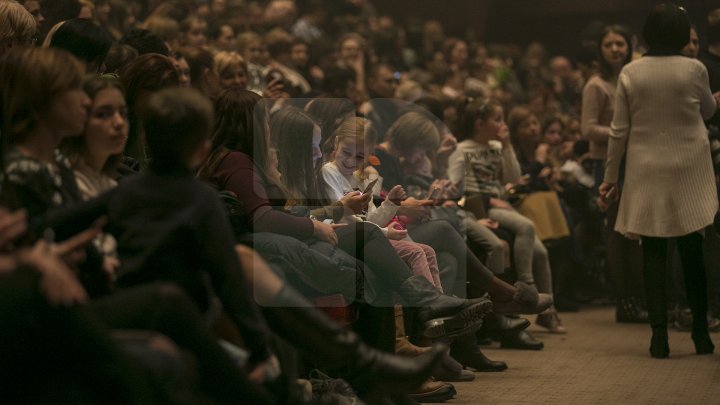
<point x="288" y="201"/>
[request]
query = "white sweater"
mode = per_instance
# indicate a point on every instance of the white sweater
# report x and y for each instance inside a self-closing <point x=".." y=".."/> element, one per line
<point x="660" y="105"/>
<point x="338" y="185"/>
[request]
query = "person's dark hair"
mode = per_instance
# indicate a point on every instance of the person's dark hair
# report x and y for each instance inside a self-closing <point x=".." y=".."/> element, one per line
<point x="414" y="129"/>
<point x="336" y="80"/>
<point x="291" y="132"/>
<point x="176" y="122"/>
<point x="375" y="69"/>
<point x="146" y="73"/>
<point x="144" y="41"/>
<point x="118" y="56"/>
<point x="667" y="28"/>
<point x="581" y="147"/>
<point x="55" y="11"/>
<point x="431" y="104"/>
<point x="84" y="39"/>
<point x="150" y="72"/>
<point x="329" y="113"/>
<point x="471" y="109"/>
<point x="200" y="61"/>
<point x="605" y="69"/>
<point x="239" y="126"/>
<point x="72" y="147"/>
<point x="279" y="42"/>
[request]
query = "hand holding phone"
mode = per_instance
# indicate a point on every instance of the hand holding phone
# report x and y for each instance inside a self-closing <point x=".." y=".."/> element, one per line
<point x="370" y="186"/>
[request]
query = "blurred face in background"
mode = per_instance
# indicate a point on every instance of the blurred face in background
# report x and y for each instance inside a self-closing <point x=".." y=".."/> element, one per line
<point x="385" y="83"/>
<point x="183" y="69"/>
<point x="196" y="34"/>
<point x="300" y="55"/>
<point x="459" y="54"/>
<point x="350" y="50"/>
<point x="614" y="49"/>
<point x="529" y="129"/>
<point x="553" y="134"/>
<point x="33" y="7"/>
<point x="257" y="53"/>
<point x="691" y="49"/>
<point x="233" y="76"/>
<point x="226" y="39"/>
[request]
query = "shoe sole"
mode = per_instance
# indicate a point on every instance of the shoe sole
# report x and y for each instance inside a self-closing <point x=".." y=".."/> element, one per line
<point x="438" y="396"/>
<point x="466" y="321"/>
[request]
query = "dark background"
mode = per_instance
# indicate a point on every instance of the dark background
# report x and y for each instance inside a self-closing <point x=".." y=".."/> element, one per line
<point x="555" y="23"/>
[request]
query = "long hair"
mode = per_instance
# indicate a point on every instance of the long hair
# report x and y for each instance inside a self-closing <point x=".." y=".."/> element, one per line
<point x="72" y="147"/>
<point x="607" y="71"/>
<point x="30" y="78"/>
<point x="291" y="131"/>
<point x="239" y="126"/>
<point x="328" y="113"/>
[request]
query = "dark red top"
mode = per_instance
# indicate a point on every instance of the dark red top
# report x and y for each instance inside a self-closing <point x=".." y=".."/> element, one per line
<point x="237" y="173"/>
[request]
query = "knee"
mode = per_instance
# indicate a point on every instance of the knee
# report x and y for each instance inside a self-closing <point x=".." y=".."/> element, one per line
<point x="539" y="250"/>
<point x="497" y="247"/>
<point x="526" y="226"/>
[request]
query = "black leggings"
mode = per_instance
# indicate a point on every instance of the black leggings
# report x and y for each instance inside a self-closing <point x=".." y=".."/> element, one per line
<point x="624" y="259"/>
<point x="654" y="271"/>
<point x="166" y="309"/>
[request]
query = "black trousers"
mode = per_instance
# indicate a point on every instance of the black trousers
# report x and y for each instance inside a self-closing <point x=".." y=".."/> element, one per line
<point x="70" y="348"/>
<point x="655" y="252"/>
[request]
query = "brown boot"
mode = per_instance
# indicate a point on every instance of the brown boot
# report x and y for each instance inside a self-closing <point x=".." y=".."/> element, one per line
<point x="403" y="347"/>
<point x="434" y="391"/>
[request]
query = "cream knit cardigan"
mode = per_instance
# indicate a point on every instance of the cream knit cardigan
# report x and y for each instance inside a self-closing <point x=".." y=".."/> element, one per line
<point x="660" y="105"/>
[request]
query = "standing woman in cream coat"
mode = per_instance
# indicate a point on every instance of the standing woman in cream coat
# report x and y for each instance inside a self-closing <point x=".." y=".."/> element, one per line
<point x="669" y="191"/>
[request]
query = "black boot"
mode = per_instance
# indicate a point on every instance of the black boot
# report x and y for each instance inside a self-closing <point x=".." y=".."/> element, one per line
<point x="691" y="254"/>
<point x="467" y="352"/>
<point x="659" y="346"/>
<point x="443" y="315"/>
<point x="311" y="332"/>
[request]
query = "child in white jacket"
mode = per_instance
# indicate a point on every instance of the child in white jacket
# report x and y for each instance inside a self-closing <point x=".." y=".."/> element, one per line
<point x="349" y="171"/>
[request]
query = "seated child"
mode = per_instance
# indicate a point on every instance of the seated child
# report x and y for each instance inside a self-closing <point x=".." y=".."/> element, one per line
<point x="172" y="227"/>
<point x="349" y="171"/>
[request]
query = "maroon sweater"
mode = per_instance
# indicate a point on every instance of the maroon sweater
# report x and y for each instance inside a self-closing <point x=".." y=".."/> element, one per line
<point x="237" y="173"/>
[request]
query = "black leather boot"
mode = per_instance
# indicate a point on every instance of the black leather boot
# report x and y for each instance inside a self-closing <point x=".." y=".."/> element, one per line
<point x="659" y="346"/>
<point x="703" y="344"/>
<point x="310" y="331"/>
<point x="443" y="315"/>
<point x="467" y="352"/>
